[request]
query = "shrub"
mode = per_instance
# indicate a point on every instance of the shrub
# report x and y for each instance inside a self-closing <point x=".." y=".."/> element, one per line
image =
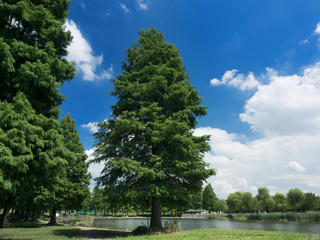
<point x="86" y="222"/>
<point x="232" y="217"/>
<point x="170" y="227"/>
<point x="211" y="216"/>
<point x="140" y="230"/>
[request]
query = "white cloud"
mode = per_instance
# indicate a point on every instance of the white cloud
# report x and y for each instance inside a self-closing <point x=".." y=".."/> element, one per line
<point x="288" y="105"/>
<point x="303" y="42"/>
<point x="92" y="126"/>
<point x="317" y="30"/>
<point x="81" y="53"/>
<point x="296" y="166"/>
<point x="142" y="4"/>
<point x="232" y="78"/>
<point x="94" y="168"/>
<point x="273" y="162"/>
<point x="286" y="111"/>
<point x="124" y="7"/>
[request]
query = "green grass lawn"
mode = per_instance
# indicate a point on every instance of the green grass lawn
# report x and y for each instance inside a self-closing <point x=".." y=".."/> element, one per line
<point x="225" y="234"/>
<point x="40" y="231"/>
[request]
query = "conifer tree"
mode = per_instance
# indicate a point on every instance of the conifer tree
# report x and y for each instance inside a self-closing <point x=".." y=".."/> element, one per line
<point x="209" y="198"/>
<point x="148" y="146"/>
<point x="77" y="167"/>
<point x="32" y="152"/>
<point x="33" y="44"/>
<point x="73" y="185"/>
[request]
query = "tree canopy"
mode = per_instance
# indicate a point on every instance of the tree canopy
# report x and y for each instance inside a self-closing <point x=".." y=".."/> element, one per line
<point x="33" y="159"/>
<point x="148" y="146"/>
<point x="33" y="44"/>
<point x="209" y="198"/>
<point x="32" y="151"/>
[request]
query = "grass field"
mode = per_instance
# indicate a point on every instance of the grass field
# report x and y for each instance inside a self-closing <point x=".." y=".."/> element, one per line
<point x="226" y="234"/>
<point x="39" y="231"/>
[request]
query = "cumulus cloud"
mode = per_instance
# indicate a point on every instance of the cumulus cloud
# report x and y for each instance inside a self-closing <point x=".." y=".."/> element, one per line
<point x="241" y="81"/>
<point x="288" y="105"/>
<point x="124" y="7"/>
<point x="142" y="4"/>
<point x="273" y="162"/>
<point x="286" y="111"/>
<point x="92" y="126"/>
<point x="81" y="53"/>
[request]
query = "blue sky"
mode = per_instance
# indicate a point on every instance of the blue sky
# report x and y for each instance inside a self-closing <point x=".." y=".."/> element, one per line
<point x="256" y="63"/>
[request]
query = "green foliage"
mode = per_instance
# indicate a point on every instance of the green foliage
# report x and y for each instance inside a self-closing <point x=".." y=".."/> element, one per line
<point x="140" y="230"/>
<point x="247" y="202"/>
<point x="234" y="202"/>
<point x="296" y="199"/>
<point x="31" y="147"/>
<point x="265" y="201"/>
<point x="311" y="203"/>
<point x="281" y="202"/>
<point x="196" y="201"/>
<point x="33" y="156"/>
<point x="86" y="221"/>
<point x="33" y="44"/>
<point x="221" y="205"/>
<point x="148" y="145"/>
<point x="74" y="184"/>
<point x="209" y="198"/>
<point x="171" y="227"/>
<point x="97" y="199"/>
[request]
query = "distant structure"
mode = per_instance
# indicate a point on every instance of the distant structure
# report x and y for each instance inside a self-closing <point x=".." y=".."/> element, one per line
<point x="191" y="213"/>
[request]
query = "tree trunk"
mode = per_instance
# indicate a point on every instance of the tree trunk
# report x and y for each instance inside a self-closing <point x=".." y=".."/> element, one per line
<point x="35" y="216"/>
<point x="16" y="216"/>
<point x="27" y="216"/>
<point x="53" y="219"/>
<point x="4" y="220"/>
<point x="156" y="223"/>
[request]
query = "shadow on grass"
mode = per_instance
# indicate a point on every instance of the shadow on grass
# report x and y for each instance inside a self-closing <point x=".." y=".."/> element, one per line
<point x="26" y="225"/>
<point x="90" y="233"/>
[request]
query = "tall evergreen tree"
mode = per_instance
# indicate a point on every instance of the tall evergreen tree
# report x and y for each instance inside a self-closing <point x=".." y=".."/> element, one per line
<point x="73" y="186"/>
<point x="32" y="152"/>
<point x="77" y="168"/>
<point x="148" y="144"/>
<point x="33" y="44"/>
<point x="196" y="201"/>
<point x="209" y="198"/>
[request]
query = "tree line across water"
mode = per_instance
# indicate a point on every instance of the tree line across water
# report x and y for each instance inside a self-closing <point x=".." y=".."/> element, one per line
<point x="103" y="203"/>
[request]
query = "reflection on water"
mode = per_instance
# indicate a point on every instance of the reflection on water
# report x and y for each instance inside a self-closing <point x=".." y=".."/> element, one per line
<point x="189" y="224"/>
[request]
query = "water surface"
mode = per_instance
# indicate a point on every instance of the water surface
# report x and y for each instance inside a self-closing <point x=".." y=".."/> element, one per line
<point x="189" y="224"/>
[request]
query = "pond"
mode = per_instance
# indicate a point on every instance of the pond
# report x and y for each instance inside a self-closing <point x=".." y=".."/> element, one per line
<point x="189" y="224"/>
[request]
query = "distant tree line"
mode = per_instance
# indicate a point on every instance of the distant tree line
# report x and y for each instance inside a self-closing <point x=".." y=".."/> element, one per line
<point x="42" y="162"/>
<point x="295" y="200"/>
<point x="104" y="203"/>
